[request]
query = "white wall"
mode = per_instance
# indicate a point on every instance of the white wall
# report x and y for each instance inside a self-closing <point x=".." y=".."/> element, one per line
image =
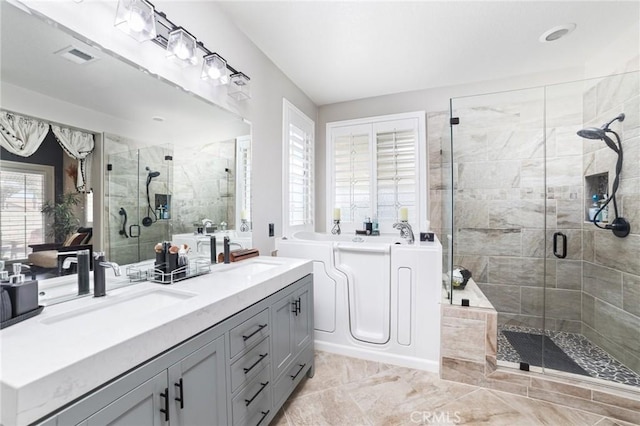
<point x="94" y="20"/>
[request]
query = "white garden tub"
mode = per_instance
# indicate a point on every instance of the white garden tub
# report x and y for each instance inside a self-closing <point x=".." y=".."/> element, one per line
<point x="376" y="297"/>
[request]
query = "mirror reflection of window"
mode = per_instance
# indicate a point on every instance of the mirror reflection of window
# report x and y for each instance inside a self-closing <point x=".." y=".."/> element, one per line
<point x="23" y="189"/>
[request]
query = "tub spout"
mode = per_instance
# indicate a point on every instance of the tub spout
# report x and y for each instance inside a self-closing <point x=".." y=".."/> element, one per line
<point x="406" y="231"/>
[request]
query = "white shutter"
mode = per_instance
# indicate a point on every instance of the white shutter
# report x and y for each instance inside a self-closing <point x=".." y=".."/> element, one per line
<point x="298" y="162"/>
<point x="374" y="169"/>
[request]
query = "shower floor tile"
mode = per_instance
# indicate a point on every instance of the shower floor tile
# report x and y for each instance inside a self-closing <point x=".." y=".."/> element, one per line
<point x="597" y="362"/>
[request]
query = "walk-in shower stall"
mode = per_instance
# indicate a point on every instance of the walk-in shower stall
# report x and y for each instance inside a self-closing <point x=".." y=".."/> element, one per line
<point x="529" y="223"/>
<point x="138" y="189"/>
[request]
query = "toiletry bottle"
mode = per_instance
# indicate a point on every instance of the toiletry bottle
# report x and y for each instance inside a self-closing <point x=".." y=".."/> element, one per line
<point x="605" y="212"/>
<point x="376" y="226"/>
<point x="593" y="210"/>
<point x="166" y="211"/>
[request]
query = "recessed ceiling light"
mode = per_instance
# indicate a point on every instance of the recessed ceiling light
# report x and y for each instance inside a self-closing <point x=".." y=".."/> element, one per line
<point x="557" y="33"/>
<point x="158" y="118"/>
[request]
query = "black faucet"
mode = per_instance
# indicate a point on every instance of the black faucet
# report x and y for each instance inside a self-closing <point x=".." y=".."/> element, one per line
<point x="99" y="280"/>
<point x="226" y="249"/>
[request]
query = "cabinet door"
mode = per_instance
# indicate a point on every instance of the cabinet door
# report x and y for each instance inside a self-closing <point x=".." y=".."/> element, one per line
<point x="140" y="407"/>
<point x="198" y="387"/>
<point x="302" y="318"/>
<point x="281" y="333"/>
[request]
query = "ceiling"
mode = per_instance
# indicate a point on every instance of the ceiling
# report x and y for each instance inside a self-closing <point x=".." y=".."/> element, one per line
<point x="338" y="51"/>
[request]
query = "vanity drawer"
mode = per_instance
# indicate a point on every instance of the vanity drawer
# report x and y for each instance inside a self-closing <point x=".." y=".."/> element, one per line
<point x="249" y="332"/>
<point x="253" y="399"/>
<point x="292" y="376"/>
<point x="249" y="364"/>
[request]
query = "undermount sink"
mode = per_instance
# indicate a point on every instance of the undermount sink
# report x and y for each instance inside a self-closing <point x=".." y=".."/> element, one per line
<point x="122" y="306"/>
<point x="252" y="268"/>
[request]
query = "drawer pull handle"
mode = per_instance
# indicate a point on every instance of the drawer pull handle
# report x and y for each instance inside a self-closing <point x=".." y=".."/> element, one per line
<point x="264" y="416"/>
<point x="165" y="395"/>
<point x="299" y="371"/>
<point x="249" y="401"/>
<point x="262" y="356"/>
<point x="181" y="399"/>
<point x="260" y="327"/>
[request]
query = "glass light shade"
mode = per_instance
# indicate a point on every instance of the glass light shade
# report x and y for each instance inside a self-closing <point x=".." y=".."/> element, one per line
<point x="137" y="19"/>
<point x="239" y="87"/>
<point x="214" y="68"/>
<point x="181" y="47"/>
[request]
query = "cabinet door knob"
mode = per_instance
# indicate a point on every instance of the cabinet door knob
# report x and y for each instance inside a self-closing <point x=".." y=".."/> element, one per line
<point x="181" y="399"/>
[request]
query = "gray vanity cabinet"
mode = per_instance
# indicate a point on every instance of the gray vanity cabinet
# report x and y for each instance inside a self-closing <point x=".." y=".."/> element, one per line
<point x="238" y="372"/>
<point x="191" y="392"/>
<point x="292" y="319"/>
<point x="197" y="387"/>
<point x="140" y="407"/>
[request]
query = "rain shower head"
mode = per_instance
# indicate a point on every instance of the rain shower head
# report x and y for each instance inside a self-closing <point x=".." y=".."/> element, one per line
<point x="620" y="226"/>
<point x="591" y="133"/>
<point x="600" y="133"/>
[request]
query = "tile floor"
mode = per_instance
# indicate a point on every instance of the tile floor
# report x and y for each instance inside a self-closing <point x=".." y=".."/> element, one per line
<point x="348" y="392"/>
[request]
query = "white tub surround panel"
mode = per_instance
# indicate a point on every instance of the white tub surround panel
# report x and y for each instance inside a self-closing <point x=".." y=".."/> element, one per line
<point x="58" y="356"/>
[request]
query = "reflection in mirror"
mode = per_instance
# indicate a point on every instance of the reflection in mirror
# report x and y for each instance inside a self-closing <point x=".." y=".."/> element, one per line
<point x="139" y="121"/>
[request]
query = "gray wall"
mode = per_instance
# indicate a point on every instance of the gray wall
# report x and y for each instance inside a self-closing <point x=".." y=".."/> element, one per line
<point x="611" y="269"/>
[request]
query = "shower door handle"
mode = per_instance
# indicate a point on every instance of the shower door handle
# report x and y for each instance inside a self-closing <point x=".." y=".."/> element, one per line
<point x="563" y="254"/>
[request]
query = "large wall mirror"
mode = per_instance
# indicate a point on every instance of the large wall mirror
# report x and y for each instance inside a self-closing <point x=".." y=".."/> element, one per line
<point x="166" y="161"/>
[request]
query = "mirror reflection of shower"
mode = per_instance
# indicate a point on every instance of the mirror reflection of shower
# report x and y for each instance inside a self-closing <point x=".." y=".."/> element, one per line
<point x="147" y="220"/>
<point x="619" y="226"/>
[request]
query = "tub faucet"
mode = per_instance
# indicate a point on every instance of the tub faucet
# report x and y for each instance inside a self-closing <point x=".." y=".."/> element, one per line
<point x="99" y="279"/>
<point x="406" y="231"/>
<point x="206" y="223"/>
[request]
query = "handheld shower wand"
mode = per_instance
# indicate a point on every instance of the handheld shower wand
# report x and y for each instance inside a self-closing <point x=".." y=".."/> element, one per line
<point x="619" y="226"/>
<point x="147" y="221"/>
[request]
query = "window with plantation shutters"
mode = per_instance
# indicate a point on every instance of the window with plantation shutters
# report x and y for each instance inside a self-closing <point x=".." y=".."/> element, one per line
<point x="375" y="166"/>
<point x="23" y="189"/>
<point x="298" y="162"/>
<point x="243" y="180"/>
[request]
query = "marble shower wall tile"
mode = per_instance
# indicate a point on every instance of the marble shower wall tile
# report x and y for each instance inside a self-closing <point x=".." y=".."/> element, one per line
<point x="489" y="175"/>
<point x="618" y="253"/>
<point x="631" y="294"/>
<point x="558" y="303"/>
<point x="603" y="283"/>
<point x="492" y="242"/>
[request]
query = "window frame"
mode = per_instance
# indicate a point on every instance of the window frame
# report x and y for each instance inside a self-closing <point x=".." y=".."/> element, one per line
<point x="375" y="125"/>
<point x="291" y="115"/>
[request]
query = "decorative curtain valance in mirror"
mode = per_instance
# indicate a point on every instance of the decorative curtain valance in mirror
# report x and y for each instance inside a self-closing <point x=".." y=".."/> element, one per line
<point x="22" y="135"/>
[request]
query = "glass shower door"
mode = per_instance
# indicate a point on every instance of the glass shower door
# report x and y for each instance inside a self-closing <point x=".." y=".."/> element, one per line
<point x="139" y="202"/>
<point x="500" y="215"/>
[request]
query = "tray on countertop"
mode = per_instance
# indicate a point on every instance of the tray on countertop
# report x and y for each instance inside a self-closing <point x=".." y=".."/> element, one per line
<point x="22" y="317"/>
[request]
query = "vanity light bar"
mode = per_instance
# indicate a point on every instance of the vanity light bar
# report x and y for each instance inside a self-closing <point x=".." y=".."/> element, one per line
<point x="164" y="27"/>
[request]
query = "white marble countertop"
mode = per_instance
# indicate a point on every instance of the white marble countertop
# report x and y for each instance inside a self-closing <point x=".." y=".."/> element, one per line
<point x="49" y="360"/>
